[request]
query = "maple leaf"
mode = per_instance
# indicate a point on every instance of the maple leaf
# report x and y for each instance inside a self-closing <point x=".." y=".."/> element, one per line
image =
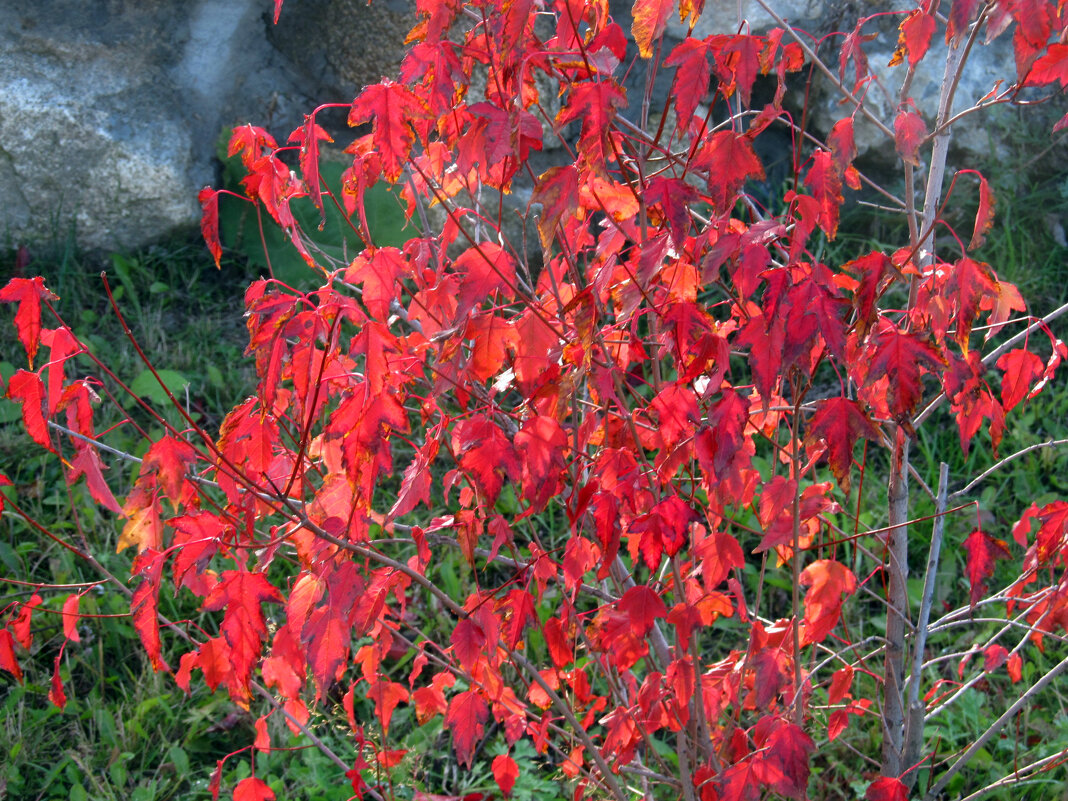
<point x="910" y="131"/>
<point x="386" y="695"/>
<point x="241" y="595"/>
<point x="1021" y="368"/>
<point x="983" y="550"/>
<point x="960" y="15"/>
<point x="87" y="462"/>
<point x="650" y="18"/>
<point x="829" y="580"/>
<point x="71" y="617"/>
<point x="1051" y="67"/>
<point x="209" y="222"/>
<point x="839" y="422"/>
<point x="466" y="717"/>
<point x="730" y="161"/>
<point x="642" y="606"/>
<point x="8" y="660"/>
<point x="392" y="109"/>
<point x="984" y="216"/>
<point x="252" y="788"/>
<point x="28" y="293"/>
<point x="690" y="58"/>
<point x="144" y="604"/>
<point x="250" y="142"/>
<point x="785" y="767"/>
<point x="308" y="137"/>
<point x="20" y="626"/>
<point x="914" y="37"/>
<point x="485" y="453"/>
<point x="505" y="773"/>
<point x="557" y="191"/>
<point x="29" y="391"/>
<point x="900" y="356"/>
<point x="887" y="788"/>
<point x="824" y="181"/>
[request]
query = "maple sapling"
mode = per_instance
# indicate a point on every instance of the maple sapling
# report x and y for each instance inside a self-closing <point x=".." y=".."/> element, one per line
<point x="616" y="492"/>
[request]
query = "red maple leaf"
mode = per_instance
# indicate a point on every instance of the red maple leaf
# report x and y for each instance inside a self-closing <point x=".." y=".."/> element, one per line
<point x="8" y="660"/>
<point x="1051" y="67"/>
<point x="1022" y="368"/>
<point x="910" y="131"/>
<point x="505" y="773"/>
<point x="983" y="550"/>
<point x="984" y="216"/>
<point x="839" y="422"/>
<point x="28" y="293"/>
<point x="466" y="717"/>
<point x="730" y="161"/>
<point x="29" y="391"/>
<point x="241" y="594"/>
<point x="209" y="221"/>
<point x="392" y="109"/>
<point x="887" y="788"/>
<point x="901" y="357"/>
<point x="829" y="580"/>
<point x="253" y="789"/>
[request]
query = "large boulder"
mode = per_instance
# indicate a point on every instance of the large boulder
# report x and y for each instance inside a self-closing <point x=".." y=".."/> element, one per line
<point x="110" y="109"/>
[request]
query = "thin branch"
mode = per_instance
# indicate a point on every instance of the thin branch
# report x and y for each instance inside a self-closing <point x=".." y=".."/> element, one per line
<point x="1049" y="443"/>
<point x="994" y="728"/>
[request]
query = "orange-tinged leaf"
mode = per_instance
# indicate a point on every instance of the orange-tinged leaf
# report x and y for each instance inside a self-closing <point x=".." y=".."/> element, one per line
<point x="914" y="37"/>
<point x="71" y="617"/>
<point x="650" y="18"/>
<point x="392" y="109"/>
<point x="557" y="191"/>
<point x="829" y="581"/>
<point x="28" y="293"/>
<point x="984" y="217"/>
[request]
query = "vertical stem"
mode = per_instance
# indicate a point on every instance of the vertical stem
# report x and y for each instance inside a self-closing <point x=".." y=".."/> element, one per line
<point x="893" y="756"/>
<point x="795" y="561"/>
<point x="897" y="568"/>
<point x="916" y="711"/>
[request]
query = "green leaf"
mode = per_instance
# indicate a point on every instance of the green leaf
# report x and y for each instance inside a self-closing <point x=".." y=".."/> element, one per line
<point x="147" y="386"/>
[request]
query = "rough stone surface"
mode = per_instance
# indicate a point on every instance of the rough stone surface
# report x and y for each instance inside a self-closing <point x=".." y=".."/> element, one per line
<point x="110" y="109"/>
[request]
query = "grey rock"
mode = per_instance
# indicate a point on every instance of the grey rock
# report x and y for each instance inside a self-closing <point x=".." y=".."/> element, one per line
<point x="110" y="109"/>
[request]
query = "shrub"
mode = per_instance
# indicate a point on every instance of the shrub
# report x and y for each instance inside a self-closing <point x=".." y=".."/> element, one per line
<point x="595" y="500"/>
